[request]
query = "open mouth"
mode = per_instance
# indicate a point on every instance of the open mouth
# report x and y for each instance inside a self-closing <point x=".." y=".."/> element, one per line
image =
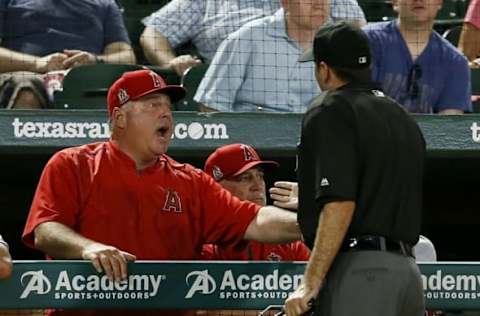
<point x="162" y="131"/>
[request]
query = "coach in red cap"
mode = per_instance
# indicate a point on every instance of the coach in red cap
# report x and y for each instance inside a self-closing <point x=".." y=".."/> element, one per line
<point x="239" y="169"/>
<point x="239" y="163"/>
<point x="125" y="199"/>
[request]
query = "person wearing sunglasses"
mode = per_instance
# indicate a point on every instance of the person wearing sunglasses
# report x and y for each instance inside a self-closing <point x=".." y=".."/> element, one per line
<point x="416" y="66"/>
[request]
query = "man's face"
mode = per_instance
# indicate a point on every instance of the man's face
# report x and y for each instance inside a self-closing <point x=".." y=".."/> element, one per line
<point x="249" y="186"/>
<point x="309" y="14"/>
<point x="149" y="124"/>
<point x="417" y="11"/>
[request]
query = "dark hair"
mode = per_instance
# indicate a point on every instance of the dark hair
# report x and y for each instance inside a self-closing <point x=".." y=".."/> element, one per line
<point x="350" y="74"/>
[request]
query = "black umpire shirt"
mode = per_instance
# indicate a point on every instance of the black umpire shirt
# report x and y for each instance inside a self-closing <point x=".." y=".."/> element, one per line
<point x="359" y="145"/>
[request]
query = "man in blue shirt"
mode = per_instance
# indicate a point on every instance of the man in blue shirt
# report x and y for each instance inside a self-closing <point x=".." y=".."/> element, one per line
<point x="257" y="68"/>
<point x="417" y="67"/>
<point x="207" y="23"/>
<point x="42" y="35"/>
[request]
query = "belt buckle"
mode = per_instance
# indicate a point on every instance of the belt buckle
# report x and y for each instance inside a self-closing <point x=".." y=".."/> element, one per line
<point x="369" y="242"/>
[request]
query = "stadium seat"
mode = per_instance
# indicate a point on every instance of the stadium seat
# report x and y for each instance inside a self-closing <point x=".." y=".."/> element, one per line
<point x="475" y="76"/>
<point x="448" y="11"/>
<point x="133" y="12"/>
<point x="462" y="7"/>
<point x="453" y="34"/>
<point x="169" y="75"/>
<point x="377" y="10"/>
<point x="190" y="81"/>
<point x="449" y="16"/>
<point x="85" y="87"/>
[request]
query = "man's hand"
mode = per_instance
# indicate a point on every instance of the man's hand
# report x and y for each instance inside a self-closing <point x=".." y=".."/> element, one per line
<point x="50" y="63"/>
<point x="5" y="261"/>
<point x="78" y="58"/>
<point x="109" y="259"/>
<point x="475" y="63"/>
<point x="285" y="195"/>
<point x="299" y="302"/>
<point x="181" y="63"/>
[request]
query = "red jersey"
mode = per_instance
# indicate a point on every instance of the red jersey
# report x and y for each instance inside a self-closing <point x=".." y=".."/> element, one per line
<point x="253" y="250"/>
<point x="165" y="212"/>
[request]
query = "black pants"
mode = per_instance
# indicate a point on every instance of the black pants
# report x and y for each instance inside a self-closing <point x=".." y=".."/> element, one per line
<point x="371" y="283"/>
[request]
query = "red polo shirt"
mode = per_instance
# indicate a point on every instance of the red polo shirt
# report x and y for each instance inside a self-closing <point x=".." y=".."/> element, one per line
<point x="295" y="251"/>
<point x="165" y="212"/>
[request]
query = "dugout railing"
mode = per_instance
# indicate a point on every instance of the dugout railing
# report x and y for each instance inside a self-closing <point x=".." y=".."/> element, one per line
<point x="201" y="285"/>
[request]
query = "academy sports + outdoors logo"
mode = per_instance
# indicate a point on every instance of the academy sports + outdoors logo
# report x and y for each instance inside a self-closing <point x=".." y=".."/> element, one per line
<point x="441" y="286"/>
<point x="437" y="286"/>
<point x="97" y="130"/>
<point x="242" y="286"/>
<point x="67" y="286"/>
<point x="38" y="283"/>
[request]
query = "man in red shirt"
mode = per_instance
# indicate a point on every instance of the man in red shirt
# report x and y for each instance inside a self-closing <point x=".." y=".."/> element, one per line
<point x="238" y="168"/>
<point x="125" y="199"/>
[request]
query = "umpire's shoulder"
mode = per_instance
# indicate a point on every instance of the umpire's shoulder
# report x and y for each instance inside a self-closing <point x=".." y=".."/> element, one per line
<point x="327" y="107"/>
<point x="328" y="102"/>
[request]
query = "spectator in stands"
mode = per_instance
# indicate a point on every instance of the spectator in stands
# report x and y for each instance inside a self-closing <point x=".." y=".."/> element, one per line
<point x="469" y="42"/>
<point x="42" y="35"/>
<point x="5" y="260"/>
<point x="416" y="66"/>
<point x="239" y="169"/>
<point x="256" y="68"/>
<point x="115" y="201"/>
<point x="207" y="23"/>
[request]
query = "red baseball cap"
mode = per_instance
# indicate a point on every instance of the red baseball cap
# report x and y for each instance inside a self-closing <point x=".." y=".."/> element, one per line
<point x="231" y="160"/>
<point x="133" y="85"/>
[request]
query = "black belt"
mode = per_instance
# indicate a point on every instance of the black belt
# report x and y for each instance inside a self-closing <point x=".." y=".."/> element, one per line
<point x="378" y="243"/>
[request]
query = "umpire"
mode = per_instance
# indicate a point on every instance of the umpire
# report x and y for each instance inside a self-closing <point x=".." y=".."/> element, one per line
<point x="360" y="170"/>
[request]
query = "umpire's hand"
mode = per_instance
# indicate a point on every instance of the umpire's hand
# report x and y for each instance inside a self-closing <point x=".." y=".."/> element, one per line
<point x="109" y="259"/>
<point x="300" y="301"/>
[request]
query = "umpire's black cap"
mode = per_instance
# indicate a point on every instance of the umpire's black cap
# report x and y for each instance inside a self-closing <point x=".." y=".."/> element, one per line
<point x="341" y="45"/>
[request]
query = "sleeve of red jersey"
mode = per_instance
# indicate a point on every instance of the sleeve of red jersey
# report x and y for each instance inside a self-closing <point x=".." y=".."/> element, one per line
<point x="225" y="217"/>
<point x="302" y="253"/>
<point x="208" y="252"/>
<point x="56" y="197"/>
